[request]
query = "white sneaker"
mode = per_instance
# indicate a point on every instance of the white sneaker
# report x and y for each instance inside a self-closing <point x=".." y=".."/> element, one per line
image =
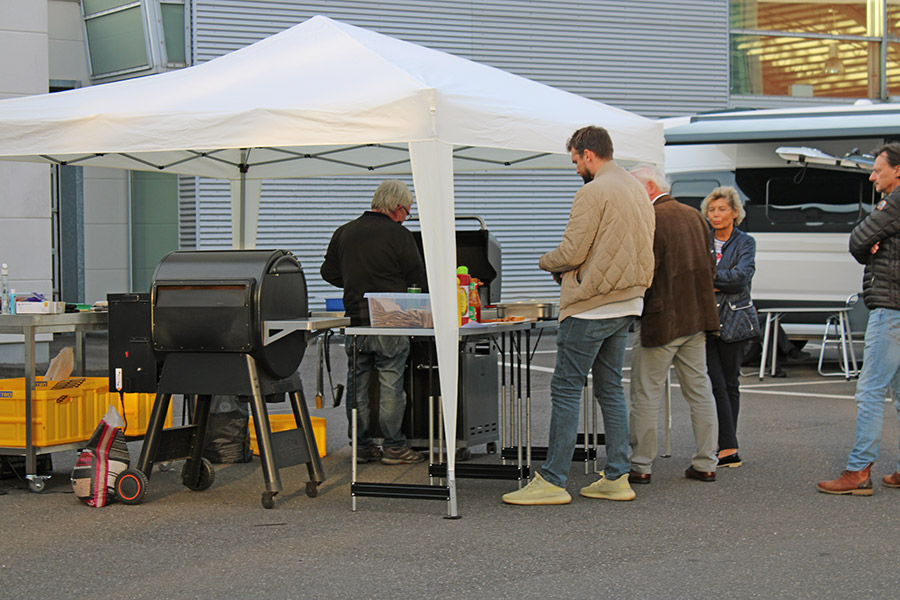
<point x="538" y="491"/>
<point x="610" y="489"/>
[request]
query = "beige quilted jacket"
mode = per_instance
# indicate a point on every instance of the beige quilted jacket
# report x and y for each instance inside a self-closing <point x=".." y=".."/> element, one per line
<point x="606" y="253"/>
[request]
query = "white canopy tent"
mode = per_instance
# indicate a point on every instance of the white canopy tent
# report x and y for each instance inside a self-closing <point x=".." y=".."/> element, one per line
<point x="324" y="99"/>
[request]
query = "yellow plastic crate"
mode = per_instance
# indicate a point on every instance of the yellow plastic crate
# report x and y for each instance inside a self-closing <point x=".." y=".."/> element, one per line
<point x="63" y="412"/>
<point x="285" y="422"/>
<point x="138" y="408"/>
<point x="67" y="411"/>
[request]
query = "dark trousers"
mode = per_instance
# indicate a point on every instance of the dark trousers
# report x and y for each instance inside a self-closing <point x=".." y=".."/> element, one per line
<point x="723" y="363"/>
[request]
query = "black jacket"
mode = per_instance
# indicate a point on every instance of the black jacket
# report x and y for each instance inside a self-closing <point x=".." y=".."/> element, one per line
<point x="734" y="274"/>
<point x="372" y="253"/>
<point x="881" y="280"/>
<point x="736" y="268"/>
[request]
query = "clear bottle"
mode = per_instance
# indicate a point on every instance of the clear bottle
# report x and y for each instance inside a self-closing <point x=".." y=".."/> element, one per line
<point x="4" y="290"/>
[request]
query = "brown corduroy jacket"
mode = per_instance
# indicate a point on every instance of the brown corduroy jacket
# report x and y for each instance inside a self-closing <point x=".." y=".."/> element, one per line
<point x="681" y="300"/>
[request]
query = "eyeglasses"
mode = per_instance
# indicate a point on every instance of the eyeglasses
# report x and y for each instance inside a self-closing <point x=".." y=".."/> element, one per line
<point x="405" y="210"/>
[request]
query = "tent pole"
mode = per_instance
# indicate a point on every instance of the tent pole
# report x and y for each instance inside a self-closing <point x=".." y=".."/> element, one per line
<point x="244" y="207"/>
<point x="432" y="167"/>
<point x="242" y="203"/>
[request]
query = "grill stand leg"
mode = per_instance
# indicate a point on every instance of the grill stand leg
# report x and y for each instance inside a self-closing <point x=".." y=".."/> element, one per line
<point x="191" y="475"/>
<point x="154" y="433"/>
<point x="263" y="434"/>
<point x="301" y="417"/>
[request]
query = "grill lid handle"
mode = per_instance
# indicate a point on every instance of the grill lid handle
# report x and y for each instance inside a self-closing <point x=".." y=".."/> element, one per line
<point x="285" y="264"/>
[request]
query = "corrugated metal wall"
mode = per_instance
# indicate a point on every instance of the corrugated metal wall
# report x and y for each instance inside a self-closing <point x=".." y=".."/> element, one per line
<point x="654" y="58"/>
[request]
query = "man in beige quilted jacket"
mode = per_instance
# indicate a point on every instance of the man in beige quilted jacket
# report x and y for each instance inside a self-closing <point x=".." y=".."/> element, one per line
<point x="604" y="265"/>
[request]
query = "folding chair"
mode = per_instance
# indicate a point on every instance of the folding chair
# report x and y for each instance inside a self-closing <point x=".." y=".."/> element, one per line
<point x="842" y="328"/>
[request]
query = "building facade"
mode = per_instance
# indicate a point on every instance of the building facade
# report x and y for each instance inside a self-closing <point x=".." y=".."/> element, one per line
<point x="107" y="229"/>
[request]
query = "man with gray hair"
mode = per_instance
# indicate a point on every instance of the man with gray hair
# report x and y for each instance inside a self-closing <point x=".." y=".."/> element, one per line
<point x="679" y="312"/>
<point x="375" y="253"/>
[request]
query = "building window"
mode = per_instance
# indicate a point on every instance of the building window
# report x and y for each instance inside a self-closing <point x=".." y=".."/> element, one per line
<point x="129" y="38"/>
<point x="848" y="49"/>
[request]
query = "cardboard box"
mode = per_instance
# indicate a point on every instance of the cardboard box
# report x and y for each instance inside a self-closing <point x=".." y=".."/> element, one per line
<point x="400" y="310"/>
<point x="46" y="307"/>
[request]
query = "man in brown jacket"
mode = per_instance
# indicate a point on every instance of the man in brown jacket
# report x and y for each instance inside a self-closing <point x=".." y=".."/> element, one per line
<point x="604" y="264"/>
<point x="679" y="311"/>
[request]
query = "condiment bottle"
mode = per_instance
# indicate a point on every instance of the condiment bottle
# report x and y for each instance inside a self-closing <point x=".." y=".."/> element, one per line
<point x="474" y="303"/>
<point x="462" y="283"/>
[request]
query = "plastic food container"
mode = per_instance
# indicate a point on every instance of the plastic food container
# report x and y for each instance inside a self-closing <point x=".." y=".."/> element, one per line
<point x="400" y="310"/>
<point x="334" y="304"/>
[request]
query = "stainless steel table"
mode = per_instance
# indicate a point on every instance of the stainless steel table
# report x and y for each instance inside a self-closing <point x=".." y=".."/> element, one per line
<point x="518" y="471"/>
<point x="30" y="325"/>
<point x="774" y="317"/>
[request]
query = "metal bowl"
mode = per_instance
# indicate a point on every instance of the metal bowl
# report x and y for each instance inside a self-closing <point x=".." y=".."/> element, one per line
<point x="530" y="309"/>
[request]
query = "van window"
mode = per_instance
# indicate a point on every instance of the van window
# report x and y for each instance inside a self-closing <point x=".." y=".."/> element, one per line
<point x="804" y="199"/>
<point x="692" y="188"/>
<point x="787" y="199"/>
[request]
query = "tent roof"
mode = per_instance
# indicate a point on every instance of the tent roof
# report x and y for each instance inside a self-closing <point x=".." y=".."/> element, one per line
<point x="782" y="125"/>
<point x="320" y="98"/>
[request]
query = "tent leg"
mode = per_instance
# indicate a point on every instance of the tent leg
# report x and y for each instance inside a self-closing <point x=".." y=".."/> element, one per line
<point x="452" y="511"/>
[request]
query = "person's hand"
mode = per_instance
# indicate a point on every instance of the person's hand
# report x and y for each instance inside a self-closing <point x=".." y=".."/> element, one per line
<point x="874" y="248"/>
<point x="557" y="277"/>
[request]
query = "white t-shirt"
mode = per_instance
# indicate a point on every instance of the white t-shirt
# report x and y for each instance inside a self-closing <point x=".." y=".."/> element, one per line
<point x="719" y="245"/>
<point x="614" y="310"/>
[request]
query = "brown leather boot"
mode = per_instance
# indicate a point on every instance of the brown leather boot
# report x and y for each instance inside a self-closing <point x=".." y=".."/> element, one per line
<point x="857" y="483"/>
<point x="892" y="480"/>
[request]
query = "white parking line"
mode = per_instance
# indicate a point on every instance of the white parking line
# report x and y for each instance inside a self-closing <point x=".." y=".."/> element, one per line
<point x="799" y="394"/>
<point x="750" y="388"/>
<point x="783" y="384"/>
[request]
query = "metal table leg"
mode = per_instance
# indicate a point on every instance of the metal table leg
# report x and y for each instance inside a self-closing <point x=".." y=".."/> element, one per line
<point x="35" y="481"/>
<point x="351" y="393"/>
<point x="765" y="346"/>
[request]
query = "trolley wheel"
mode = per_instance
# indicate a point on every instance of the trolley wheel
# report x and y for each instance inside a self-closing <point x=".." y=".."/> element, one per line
<point x="312" y="489"/>
<point x="131" y="486"/>
<point x="491" y="447"/>
<point x="207" y="476"/>
<point x="463" y="454"/>
<point x="37" y="484"/>
<point x="268" y="499"/>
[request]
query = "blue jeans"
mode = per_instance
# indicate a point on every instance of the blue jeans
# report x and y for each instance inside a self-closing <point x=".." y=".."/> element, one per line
<point x="387" y="355"/>
<point x="881" y="369"/>
<point x="582" y="346"/>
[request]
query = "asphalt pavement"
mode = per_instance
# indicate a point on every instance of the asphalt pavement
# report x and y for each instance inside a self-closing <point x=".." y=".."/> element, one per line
<point x="759" y="531"/>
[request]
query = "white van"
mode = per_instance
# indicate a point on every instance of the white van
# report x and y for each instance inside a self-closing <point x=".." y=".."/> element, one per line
<point x="801" y="205"/>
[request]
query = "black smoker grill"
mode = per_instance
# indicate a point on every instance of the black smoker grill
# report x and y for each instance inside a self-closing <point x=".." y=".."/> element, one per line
<point x="230" y="322"/>
<point x="478" y="418"/>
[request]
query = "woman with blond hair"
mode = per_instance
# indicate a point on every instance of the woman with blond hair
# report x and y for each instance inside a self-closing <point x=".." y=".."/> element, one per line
<point x="735" y="265"/>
